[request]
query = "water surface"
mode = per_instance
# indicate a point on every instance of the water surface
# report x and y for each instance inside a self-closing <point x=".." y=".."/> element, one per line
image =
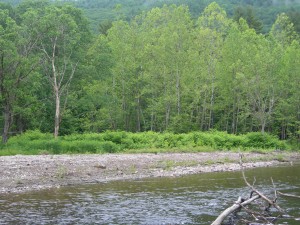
<point x="194" y="199"/>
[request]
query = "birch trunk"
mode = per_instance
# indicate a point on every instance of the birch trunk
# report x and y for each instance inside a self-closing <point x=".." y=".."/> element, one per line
<point x="57" y="113"/>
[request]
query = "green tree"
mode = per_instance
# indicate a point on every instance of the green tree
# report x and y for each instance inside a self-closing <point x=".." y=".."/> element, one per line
<point x="94" y="104"/>
<point x="294" y="16"/>
<point x="283" y="30"/>
<point x="63" y="32"/>
<point x="169" y="38"/>
<point x="288" y="110"/>
<point x="247" y="13"/>
<point x="17" y="63"/>
<point x="248" y="92"/>
<point x="232" y="91"/>
<point x="212" y="29"/>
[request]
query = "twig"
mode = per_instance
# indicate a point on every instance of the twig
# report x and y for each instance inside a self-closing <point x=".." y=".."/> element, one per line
<point x="287" y="195"/>
<point x="275" y="190"/>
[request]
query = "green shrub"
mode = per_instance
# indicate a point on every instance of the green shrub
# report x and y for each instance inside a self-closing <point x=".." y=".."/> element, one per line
<point x="115" y="137"/>
<point x="108" y="147"/>
<point x="263" y="140"/>
<point x="80" y="146"/>
<point x="33" y="142"/>
<point x="28" y="137"/>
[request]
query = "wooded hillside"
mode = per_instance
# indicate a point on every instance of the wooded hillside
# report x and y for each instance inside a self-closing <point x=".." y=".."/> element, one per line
<point x="102" y="12"/>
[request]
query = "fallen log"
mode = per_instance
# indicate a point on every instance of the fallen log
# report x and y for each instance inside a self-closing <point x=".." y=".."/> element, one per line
<point x="237" y="205"/>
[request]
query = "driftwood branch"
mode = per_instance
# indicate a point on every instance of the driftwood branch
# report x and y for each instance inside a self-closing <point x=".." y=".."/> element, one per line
<point x="269" y="201"/>
<point x="258" y="215"/>
<point x="287" y="195"/>
<point x="237" y="205"/>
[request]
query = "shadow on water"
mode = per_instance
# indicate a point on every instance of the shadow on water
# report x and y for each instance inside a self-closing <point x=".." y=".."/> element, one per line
<point x="194" y="199"/>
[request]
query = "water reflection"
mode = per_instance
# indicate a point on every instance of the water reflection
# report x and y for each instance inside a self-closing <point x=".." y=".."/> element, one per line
<point x="195" y="199"/>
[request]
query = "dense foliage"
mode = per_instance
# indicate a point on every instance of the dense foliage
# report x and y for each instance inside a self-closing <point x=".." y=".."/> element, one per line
<point x="35" y="142"/>
<point x="264" y="12"/>
<point x="162" y="71"/>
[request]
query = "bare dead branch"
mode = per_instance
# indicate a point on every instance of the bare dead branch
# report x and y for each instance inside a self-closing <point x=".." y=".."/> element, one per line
<point x="272" y="203"/>
<point x="237" y="205"/>
<point x="287" y="195"/>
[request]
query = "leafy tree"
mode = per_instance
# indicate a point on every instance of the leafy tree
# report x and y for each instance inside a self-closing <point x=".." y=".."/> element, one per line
<point x="104" y="27"/>
<point x="17" y="63"/>
<point x="283" y="30"/>
<point x="248" y="14"/>
<point x="287" y="110"/>
<point x="232" y="96"/>
<point x="93" y="104"/>
<point x="213" y="26"/>
<point x="167" y="50"/>
<point x="294" y="16"/>
<point x="63" y="32"/>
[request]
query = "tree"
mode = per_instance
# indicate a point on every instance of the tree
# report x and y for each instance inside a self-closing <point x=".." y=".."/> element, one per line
<point x="283" y="30"/>
<point x="168" y="41"/>
<point x="287" y="110"/>
<point x="248" y="14"/>
<point x="294" y="16"/>
<point x="17" y="63"/>
<point x="63" y="31"/>
<point x="94" y="104"/>
<point x="212" y="29"/>
<point x="232" y="91"/>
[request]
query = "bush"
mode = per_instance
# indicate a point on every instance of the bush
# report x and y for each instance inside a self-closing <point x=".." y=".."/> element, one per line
<point x="80" y="146"/>
<point x="263" y="140"/>
<point x="111" y="142"/>
<point x="28" y="137"/>
<point x="109" y="147"/>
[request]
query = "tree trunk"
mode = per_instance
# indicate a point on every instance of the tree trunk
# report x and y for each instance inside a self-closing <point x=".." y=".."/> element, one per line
<point x="138" y="115"/>
<point x="178" y="90"/>
<point x="283" y="135"/>
<point x="56" y="88"/>
<point x="7" y="115"/>
<point x="263" y="126"/>
<point x="167" y="118"/>
<point x="203" y="114"/>
<point x="57" y="113"/>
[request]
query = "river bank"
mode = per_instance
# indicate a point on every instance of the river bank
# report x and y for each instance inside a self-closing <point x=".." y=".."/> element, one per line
<point x="29" y="173"/>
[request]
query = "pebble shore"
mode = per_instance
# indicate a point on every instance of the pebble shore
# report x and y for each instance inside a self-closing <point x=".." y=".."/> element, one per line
<point x="32" y="173"/>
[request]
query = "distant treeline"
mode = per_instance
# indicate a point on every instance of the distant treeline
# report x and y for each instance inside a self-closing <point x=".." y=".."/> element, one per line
<point x="101" y="12"/>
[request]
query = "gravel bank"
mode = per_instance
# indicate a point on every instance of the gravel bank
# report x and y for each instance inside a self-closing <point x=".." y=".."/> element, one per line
<point x="27" y="173"/>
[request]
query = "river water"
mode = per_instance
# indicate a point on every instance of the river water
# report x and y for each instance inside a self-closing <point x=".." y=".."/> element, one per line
<point x="193" y="199"/>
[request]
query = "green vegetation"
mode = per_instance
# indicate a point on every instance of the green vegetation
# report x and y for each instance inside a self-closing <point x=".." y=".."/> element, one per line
<point x="158" y="81"/>
<point x="35" y="142"/>
<point x="261" y="13"/>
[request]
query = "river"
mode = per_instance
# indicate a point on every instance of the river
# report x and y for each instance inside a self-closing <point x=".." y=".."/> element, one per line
<point x="193" y="199"/>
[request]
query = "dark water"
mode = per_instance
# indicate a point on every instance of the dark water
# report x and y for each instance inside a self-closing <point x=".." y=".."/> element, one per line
<point x="195" y="199"/>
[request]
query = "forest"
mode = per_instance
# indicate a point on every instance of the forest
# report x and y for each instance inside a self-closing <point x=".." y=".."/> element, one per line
<point x="102" y="12"/>
<point x="163" y="70"/>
